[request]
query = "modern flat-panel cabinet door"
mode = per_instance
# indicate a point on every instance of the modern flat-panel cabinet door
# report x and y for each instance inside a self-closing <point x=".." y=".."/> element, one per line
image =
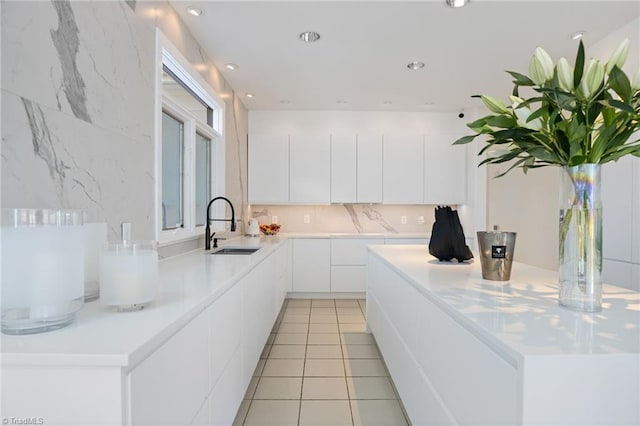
<point x="311" y="265"/>
<point x="369" y="168"/>
<point x="445" y="173"/>
<point x="343" y="168"/>
<point x="268" y="168"/>
<point x="310" y="168"/>
<point x="403" y="169"/>
<point x="169" y="386"/>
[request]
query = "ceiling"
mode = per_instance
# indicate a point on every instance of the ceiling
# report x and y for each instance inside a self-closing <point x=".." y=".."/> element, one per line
<point x="365" y="46"/>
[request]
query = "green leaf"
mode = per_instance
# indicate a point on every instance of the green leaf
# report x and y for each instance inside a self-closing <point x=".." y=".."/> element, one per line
<point x="464" y="140"/>
<point x="620" y="105"/>
<point x="579" y="67"/>
<point x="521" y="79"/>
<point x="542" y="112"/>
<point x="502" y="121"/>
<point x="479" y="123"/>
<point x="620" y="83"/>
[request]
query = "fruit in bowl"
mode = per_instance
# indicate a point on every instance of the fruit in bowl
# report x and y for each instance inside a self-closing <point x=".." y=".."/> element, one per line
<point x="270" y="229"/>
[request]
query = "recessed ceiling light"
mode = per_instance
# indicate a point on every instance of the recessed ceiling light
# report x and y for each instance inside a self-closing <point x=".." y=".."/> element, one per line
<point x="456" y="3"/>
<point x="231" y="66"/>
<point x="194" y="11"/>
<point x="309" y="36"/>
<point x="577" y="35"/>
<point x="249" y="95"/>
<point x="415" y="65"/>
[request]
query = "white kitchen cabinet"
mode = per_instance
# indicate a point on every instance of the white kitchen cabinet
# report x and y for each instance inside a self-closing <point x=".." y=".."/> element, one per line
<point x="203" y="416"/>
<point x="445" y="170"/>
<point x="175" y="365"/>
<point x="403" y="169"/>
<point x="349" y="279"/>
<point x="227" y="395"/>
<point x="310" y="168"/>
<point x="369" y="168"/>
<point x="343" y="168"/>
<point x="635" y="223"/>
<point x="348" y="263"/>
<point x="311" y="265"/>
<point x="169" y="386"/>
<point x="268" y="168"/>
<point x="351" y="251"/>
<point x="225" y="320"/>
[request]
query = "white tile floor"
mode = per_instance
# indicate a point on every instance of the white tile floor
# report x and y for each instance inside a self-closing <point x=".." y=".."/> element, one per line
<point x="320" y="367"/>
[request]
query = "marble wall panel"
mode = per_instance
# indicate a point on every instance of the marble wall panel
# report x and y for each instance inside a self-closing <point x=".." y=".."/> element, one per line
<point x="78" y="107"/>
<point x="92" y="60"/>
<point x="349" y="218"/>
<point x="53" y="160"/>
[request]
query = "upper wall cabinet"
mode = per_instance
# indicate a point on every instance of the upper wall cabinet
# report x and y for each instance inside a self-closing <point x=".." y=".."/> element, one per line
<point x="369" y="168"/>
<point x="310" y="168"/>
<point x="343" y="168"/>
<point x="268" y="170"/>
<point x="317" y="168"/>
<point x="403" y="169"/>
<point x="445" y="170"/>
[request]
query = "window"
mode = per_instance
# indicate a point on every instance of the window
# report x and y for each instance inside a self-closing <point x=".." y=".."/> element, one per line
<point x="189" y="147"/>
<point x="172" y="159"/>
<point x="203" y="177"/>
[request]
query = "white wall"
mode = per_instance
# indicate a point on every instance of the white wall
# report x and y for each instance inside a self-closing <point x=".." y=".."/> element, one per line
<point x="337" y="218"/>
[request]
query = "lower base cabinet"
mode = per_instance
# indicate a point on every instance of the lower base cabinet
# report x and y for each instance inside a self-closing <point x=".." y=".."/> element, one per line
<point x="201" y="374"/>
<point x="311" y="265"/>
<point x="169" y="386"/>
<point x="197" y="377"/>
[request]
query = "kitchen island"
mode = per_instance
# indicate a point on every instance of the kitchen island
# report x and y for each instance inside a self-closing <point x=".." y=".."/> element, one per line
<point x="464" y="350"/>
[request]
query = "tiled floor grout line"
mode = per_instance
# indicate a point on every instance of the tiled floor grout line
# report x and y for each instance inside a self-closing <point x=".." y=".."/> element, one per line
<point x="304" y="364"/>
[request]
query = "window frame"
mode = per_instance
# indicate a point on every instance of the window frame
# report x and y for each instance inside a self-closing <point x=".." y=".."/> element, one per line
<point x="168" y="55"/>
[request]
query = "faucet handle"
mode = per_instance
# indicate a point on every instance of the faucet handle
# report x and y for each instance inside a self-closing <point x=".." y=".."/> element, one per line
<point x="215" y="241"/>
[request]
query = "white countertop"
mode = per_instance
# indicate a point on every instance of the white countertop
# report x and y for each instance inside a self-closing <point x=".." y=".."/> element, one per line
<point x="520" y="317"/>
<point x="354" y="235"/>
<point x="99" y="336"/>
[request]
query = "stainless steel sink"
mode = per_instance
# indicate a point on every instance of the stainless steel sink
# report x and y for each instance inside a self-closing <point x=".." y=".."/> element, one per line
<point x="235" y="251"/>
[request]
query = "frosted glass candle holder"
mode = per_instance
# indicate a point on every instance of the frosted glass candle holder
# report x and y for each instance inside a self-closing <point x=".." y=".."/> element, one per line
<point x="95" y="237"/>
<point x="42" y="269"/>
<point x="128" y="274"/>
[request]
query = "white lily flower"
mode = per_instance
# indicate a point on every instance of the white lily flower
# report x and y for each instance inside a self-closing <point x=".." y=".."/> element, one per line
<point x="494" y="105"/>
<point x="592" y="78"/>
<point x="635" y="84"/>
<point x="619" y="56"/>
<point x="565" y="75"/>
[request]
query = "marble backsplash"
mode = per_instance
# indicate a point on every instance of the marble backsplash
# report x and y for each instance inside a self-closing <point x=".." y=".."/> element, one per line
<point x="348" y="218"/>
<point x="78" y="108"/>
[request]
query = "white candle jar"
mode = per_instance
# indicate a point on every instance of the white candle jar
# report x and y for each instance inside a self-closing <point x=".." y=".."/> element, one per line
<point x="128" y="274"/>
<point x="42" y="269"/>
<point x="95" y="237"/>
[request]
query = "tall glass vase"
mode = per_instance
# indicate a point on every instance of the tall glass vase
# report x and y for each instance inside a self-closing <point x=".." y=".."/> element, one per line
<point x="580" y="257"/>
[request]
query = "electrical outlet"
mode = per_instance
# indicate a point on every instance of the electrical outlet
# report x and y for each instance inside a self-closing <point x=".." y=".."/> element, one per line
<point x="307" y="218"/>
<point x="274" y="219"/>
<point x="403" y="220"/>
<point x="420" y="220"/>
